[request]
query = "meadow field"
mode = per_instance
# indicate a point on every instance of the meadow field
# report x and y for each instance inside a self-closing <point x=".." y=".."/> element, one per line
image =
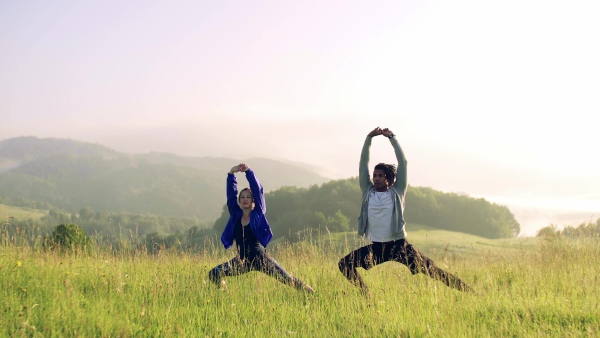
<point x="8" y="212"/>
<point x="525" y="287"/>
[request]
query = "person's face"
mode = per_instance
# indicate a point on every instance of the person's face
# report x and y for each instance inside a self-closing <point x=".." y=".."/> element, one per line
<point x="246" y="199"/>
<point x="379" y="180"/>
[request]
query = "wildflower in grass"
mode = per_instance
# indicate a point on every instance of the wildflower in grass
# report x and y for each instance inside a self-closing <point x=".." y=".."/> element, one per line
<point x="19" y="263"/>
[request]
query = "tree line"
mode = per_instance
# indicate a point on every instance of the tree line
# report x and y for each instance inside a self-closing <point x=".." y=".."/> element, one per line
<point x="588" y="229"/>
<point x="117" y="230"/>
<point x="335" y="205"/>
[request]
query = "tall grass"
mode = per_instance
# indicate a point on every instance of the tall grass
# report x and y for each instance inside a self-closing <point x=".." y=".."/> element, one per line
<point x="525" y="288"/>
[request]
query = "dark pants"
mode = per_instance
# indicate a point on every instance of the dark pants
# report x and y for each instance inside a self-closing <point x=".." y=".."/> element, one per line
<point x="399" y="251"/>
<point x="262" y="263"/>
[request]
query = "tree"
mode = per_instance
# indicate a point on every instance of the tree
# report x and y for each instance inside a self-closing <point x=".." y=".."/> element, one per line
<point x="338" y="222"/>
<point x="70" y="237"/>
<point x="85" y="214"/>
<point x="550" y="231"/>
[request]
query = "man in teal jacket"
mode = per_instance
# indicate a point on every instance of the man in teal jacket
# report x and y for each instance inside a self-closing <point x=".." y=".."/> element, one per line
<point x="382" y="222"/>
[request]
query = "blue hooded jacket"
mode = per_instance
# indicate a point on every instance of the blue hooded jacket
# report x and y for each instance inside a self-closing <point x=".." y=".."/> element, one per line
<point x="258" y="219"/>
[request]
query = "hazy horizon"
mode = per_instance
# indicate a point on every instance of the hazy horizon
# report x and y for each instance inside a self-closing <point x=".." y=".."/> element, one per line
<point x="497" y="100"/>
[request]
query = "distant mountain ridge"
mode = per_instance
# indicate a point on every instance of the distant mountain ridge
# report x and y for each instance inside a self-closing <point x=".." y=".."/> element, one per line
<point x="72" y="174"/>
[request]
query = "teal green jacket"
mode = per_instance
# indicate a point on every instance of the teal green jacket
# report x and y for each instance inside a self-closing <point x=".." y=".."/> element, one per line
<point x="398" y="189"/>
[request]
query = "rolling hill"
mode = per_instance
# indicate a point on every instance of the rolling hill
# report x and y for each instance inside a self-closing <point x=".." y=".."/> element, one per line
<point x="71" y="175"/>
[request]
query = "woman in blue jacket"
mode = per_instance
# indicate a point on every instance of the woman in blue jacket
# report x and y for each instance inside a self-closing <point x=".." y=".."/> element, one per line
<point x="248" y="226"/>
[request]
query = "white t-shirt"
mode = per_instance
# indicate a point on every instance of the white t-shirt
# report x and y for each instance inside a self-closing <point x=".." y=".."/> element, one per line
<point x="379" y="218"/>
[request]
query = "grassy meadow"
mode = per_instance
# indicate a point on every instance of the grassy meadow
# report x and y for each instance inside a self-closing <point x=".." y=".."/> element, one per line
<point x="525" y="287"/>
<point x="8" y="212"/>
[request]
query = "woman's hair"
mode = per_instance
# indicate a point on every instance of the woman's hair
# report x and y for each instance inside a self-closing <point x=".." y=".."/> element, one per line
<point x="389" y="170"/>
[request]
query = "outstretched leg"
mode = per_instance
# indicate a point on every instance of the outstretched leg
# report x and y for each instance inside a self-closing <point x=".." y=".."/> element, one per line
<point x="268" y="265"/>
<point x="419" y="263"/>
<point x="447" y="278"/>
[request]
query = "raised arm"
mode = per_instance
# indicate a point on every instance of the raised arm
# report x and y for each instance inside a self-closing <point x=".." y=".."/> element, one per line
<point x="401" y="176"/>
<point x="232" y="190"/>
<point x="364" y="177"/>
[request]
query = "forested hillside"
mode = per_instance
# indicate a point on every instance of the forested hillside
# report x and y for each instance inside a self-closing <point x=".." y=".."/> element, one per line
<point x="71" y="175"/>
<point x="331" y="207"/>
<point x="336" y="205"/>
<point x="174" y="201"/>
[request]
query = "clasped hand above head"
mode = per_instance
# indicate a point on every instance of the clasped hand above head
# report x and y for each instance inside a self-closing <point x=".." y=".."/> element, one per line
<point x="240" y="167"/>
<point x="378" y="131"/>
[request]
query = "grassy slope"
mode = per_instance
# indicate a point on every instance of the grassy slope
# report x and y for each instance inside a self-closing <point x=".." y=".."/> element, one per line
<point x="520" y="292"/>
<point x="18" y="213"/>
<point x="437" y="243"/>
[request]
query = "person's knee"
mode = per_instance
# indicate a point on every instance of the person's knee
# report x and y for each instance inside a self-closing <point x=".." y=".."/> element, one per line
<point x="418" y="263"/>
<point x="427" y="267"/>
<point x="417" y="266"/>
<point x="214" y="275"/>
<point x="347" y="266"/>
<point x="343" y="265"/>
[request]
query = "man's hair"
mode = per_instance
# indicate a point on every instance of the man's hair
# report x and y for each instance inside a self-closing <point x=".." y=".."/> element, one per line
<point x="389" y="170"/>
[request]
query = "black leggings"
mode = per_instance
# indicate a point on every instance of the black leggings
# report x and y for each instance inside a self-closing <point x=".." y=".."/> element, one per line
<point x="399" y="251"/>
<point x="262" y="262"/>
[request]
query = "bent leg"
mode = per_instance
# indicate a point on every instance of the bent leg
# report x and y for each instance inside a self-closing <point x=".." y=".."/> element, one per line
<point x="233" y="267"/>
<point x="361" y="257"/>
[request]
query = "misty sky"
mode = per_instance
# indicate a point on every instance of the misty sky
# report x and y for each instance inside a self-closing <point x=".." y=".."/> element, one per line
<point x="494" y="99"/>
